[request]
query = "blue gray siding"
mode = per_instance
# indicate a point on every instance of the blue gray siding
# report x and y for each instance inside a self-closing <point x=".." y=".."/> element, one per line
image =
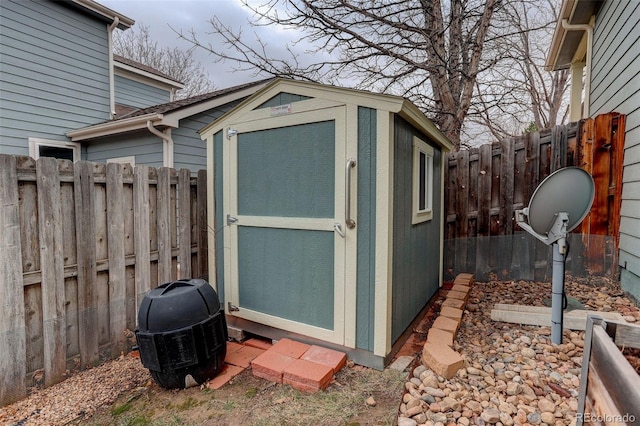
<point x="189" y="150"/>
<point x="146" y="148"/>
<point x="615" y="86"/>
<point x="55" y="72"/>
<point x="416" y="248"/>
<point x="137" y="94"/>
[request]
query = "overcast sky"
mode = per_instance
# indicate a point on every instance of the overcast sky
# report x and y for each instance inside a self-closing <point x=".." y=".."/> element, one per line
<point x="186" y="15"/>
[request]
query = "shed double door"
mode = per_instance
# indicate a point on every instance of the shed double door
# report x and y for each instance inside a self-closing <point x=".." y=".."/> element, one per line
<point x="287" y="242"/>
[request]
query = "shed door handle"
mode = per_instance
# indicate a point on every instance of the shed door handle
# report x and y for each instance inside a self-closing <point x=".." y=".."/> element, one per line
<point x="351" y="163"/>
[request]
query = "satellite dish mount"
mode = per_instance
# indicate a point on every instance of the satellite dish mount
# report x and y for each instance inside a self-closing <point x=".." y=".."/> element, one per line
<point x="557" y="206"/>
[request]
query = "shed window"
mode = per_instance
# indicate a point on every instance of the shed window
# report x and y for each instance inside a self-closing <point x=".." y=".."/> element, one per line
<point x="52" y="148"/>
<point x="422" y="181"/>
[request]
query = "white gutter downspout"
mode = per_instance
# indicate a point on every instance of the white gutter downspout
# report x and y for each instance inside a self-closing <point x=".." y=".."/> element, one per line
<point x="112" y="88"/>
<point x="167" y="144"/>
<point x="587" y="84"/>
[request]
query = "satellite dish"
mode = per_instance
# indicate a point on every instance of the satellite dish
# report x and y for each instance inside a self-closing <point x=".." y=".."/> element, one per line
<point x="557" y="206"/>
<point x="569" y="190"/>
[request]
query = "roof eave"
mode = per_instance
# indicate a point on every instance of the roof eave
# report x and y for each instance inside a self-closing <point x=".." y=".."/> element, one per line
<point x="391" y="103"/>
<point x="124" y="22"/>
<point x="412" y="114"/>
<point x="147" y="75"/>
<point x="575" y="12"/>
<point x="118" y="126"/>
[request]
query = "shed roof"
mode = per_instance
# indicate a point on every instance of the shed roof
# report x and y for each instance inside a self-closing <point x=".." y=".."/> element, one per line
<point x="385" y="102"/>
<point x="166" y="115"/>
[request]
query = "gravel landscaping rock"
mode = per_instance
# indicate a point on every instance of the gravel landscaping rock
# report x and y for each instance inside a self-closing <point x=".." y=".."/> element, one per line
<point x="512" y="374"/>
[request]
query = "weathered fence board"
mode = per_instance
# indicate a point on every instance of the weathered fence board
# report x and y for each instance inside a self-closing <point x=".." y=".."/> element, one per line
<point x="116" y="243"/>
<point x="52" y="266"/>
<point x="484" y="186"/>
<point x="608" y="383"/>
<point x="82" y="244"/>
<point x="13" y="384"/>
<point x="84" y="188"/>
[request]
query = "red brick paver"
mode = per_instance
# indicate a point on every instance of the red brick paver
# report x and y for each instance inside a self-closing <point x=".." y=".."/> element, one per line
<point x="290" y="348"/>
<point x="228" y="372"/>
<point x="334" y="359"/>
<point x="307" y="376"/>
<point x="243" y="356"/>
<point x="270" y="365"/>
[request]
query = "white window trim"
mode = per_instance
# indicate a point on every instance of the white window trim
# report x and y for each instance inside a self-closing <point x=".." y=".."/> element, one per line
<point x="131" y="159"/>
<point x="419" y="216"/>
<point x="34" y="143"/>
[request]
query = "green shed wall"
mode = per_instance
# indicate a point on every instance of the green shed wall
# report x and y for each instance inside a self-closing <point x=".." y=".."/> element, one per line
<point x="366" y="226"/>
<point x="416" y="248"/>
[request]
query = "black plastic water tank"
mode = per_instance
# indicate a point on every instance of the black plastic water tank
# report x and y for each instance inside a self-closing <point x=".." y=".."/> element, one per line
<point x="182" y="331"/>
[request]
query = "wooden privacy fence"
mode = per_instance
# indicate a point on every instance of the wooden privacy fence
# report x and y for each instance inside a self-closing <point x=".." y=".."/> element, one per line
<point x="484" y="187"/>
<point x="81" y="244"/>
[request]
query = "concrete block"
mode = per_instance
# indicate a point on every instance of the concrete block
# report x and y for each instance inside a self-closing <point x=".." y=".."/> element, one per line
<point x="453" y="313"/>
<point x="464" y="279"/>
<point x="453" y="303"/>
<point x="236" y="334"/>
<point x="462" y="288"/>
<point x="439" y="336"/>
<point x="446" y="324"/>
<point x="440" y="358"/>
<point x="460" y="295"/>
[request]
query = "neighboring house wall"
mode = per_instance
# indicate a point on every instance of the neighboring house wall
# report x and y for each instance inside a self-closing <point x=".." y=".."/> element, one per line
<point x="615" y="86"/>
<point x="145" y="148"/>
<point x="189" y="150"/>
<point x="416" y="248"/>
<point x="55" y="72"/>
<point x="137" y="94"/>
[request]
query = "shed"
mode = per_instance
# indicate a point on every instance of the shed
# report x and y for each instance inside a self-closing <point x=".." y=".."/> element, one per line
<point x="326" y="211"/>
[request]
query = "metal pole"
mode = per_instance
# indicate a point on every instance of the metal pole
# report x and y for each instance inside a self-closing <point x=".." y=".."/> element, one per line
<point x="557" y="291"/>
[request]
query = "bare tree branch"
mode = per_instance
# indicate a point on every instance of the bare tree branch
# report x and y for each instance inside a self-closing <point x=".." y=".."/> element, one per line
<point x="137" y="45"/>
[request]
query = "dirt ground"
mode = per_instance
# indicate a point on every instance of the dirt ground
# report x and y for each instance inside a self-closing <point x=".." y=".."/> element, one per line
<point x="121" y="392"/>
<point x="248" y="400"/>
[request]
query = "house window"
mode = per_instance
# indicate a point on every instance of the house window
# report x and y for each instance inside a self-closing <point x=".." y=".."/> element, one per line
<point x="123" y="160"/>
<point x="57" y="149"/>
<point x="422" y="181"/>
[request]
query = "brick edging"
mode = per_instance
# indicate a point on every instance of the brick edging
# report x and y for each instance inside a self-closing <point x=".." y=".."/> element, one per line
<point x="438" y="353"/>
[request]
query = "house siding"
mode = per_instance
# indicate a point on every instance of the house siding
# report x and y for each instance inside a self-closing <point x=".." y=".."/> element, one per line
<point x="146" y="148"/>
<point x="416" y="248"/>
<point x="55" y="72"/>
<point x="189" y="151"/>
<point x="615" y="86"/>
<point x="137" y="94"/>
